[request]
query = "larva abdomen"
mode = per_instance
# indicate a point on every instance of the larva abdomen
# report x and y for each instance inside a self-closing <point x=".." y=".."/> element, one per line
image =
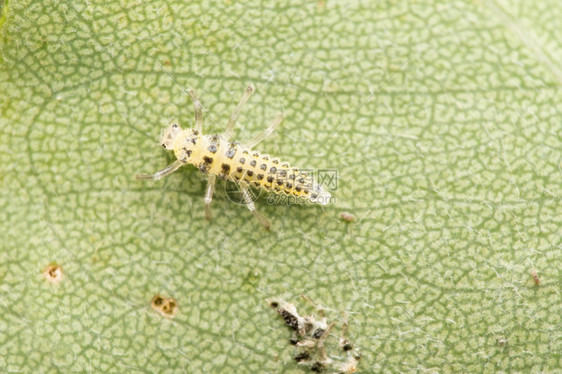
<point x="230" y="160"/>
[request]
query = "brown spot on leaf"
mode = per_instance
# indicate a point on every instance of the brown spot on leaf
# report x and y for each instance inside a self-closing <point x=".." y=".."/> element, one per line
<point x="165" y="306"/>
<point x="53" y="273"/>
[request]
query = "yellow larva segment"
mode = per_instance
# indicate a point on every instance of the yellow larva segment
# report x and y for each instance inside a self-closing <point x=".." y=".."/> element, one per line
<point x="212" y="154"/>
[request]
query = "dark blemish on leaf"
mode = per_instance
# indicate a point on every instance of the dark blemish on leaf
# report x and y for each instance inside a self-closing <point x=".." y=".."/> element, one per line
<point x="317" y="367"/>
<point x="536" y="278"/>
<point x="318" y="333"/>
<point x="290" y="320"/>
<point x="301" y="356"/>
<point x="53" y="273"/>
<point x="165" y="306"/>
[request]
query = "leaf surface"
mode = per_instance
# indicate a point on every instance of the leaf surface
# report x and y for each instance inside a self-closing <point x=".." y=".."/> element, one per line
<point x="442" y="119"/>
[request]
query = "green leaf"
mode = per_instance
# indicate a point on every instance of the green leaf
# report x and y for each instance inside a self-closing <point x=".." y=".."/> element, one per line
<point x="442" y="119"/>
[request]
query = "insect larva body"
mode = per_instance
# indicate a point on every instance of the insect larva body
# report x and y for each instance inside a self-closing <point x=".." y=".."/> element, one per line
<point x="212" y="154"/>
<point x="217" y="156"/>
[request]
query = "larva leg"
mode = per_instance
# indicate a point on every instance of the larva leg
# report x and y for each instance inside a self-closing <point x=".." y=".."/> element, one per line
<point x="198" y="112"/>
<point x="265" y="133"/>
<point x="250" y="204"/>
<point x="234" y="116"/>
<point x="209" y="195"/>
<point x="162" y="173"/>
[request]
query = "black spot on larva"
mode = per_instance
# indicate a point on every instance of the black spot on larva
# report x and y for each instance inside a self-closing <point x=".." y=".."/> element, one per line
<point x="301" y="180"/>
<point x="290" y="319"/>
<point x="263" y="166"/>
<point x="302" y="356"/>
<point x="240" y="169"/>
<point x="318" y="333"/>
<point x="270" y="179"/>
<point x="314" y="196"/>
<point x="188" y="153"/>
<point x="195" y="132"/>
<point x="212" y="148"/>
<point x="203" y="167"/>
<point x="260" y="176"/>
<point x="164" y="145"/>
<point x="298" y="189"/>
<point x="273" y="169"/>
<point x="292" y="176"/>
<point x="244" y="152"/>
<point x="274" y="304"/>
<point x="242" y="160"/>
<point x="207" y="160"/>
<point x="256" y="154"/>
<point x="193" y="140"/>
<point x="347" y="346"/>
<point x="293" y="341"/>
<point x="225" y="168"/>
<point x="231" y="152"/>
<point x="265" y="158"/>
<point x="276" y="162"/>
<point x="285" y="165"/>
<point x="250" y="173"/>
<point x="279" y="182"/>
<point x="306" y="191"/>
<point x="283" y="173"/>
<point x="253" y="163"/>
<point x="289" y="185"/>
<point x="256" y="184"/>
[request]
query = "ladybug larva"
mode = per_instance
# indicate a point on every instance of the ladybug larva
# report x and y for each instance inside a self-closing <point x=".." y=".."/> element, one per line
<point x="217" y="155"/>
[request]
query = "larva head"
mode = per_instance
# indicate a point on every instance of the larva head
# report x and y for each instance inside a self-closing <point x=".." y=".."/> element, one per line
<point x="170" y="135"/>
